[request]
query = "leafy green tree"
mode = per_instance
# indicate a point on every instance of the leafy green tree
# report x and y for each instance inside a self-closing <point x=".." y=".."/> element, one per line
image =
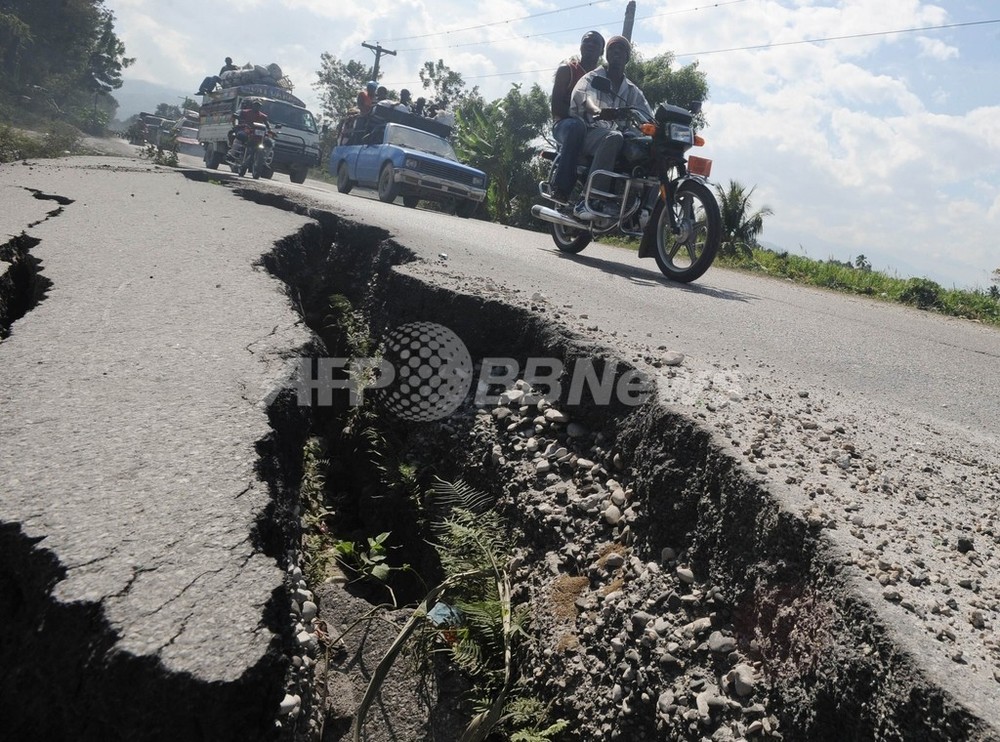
<point x="661" y="83"/>
<point x="496" y="137"/>
<point x="445" y="86"/>
<point x="167" y="111"/>
<point x="339" y="83"/>
<point x="15" y="41"/>
<point x="862" y="263"/>
<point x="64" y="54"/>
<point x="741" y="225"/>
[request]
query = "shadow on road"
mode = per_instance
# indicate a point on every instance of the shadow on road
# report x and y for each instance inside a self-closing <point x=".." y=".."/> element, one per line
<point x="649" y="277"/>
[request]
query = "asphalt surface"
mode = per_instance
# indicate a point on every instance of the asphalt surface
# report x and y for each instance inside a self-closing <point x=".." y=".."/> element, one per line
<point x="131" y="400"/>
<point x="132" y="397"/>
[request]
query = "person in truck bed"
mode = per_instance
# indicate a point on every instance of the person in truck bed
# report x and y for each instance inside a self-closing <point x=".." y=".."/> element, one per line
<point x="366" y="98"/>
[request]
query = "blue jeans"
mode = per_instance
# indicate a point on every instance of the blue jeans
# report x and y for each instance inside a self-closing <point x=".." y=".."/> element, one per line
<point x="569" y="132"/>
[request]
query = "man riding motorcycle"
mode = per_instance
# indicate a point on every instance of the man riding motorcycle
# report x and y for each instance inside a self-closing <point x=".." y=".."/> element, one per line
<point x="598" y="110"/>
<point x="243" y="125"/>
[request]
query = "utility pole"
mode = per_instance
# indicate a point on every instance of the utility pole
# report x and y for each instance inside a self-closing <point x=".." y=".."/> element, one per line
<point x="629" y="20"/>
<point x="379" y="51"/>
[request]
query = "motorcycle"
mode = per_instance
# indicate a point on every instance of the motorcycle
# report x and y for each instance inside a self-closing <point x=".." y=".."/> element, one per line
<point x="658" y="194"/>
<point x="257" y="152"/>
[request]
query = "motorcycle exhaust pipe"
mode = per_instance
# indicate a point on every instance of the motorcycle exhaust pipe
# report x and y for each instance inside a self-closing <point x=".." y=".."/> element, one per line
<point x="551" y="215"/>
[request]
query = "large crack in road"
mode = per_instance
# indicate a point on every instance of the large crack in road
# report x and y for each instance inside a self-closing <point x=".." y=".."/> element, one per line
<point x="719" y="613"/>
<point x="686" y="575"/>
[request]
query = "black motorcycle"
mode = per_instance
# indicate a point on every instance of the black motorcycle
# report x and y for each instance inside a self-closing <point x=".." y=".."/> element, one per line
<point x="256" y="153"/>
<point x="653" y="171"/>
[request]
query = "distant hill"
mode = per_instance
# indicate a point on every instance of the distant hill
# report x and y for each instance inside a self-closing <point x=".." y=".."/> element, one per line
<point x="139" y="95"/>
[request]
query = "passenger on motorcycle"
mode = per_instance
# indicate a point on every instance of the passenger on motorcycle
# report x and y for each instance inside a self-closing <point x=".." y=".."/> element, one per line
<point x="599" y="109"/>
<point x="566" y="129"/>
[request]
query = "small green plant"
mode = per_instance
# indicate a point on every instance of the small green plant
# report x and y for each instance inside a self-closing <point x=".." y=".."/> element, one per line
<point x="368" y="560"/>
<point x="486" y="633"/>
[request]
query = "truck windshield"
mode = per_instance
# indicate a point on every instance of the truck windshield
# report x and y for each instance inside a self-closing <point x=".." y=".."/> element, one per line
<point x="403" y="136"/>
<point x="290" y="116"/>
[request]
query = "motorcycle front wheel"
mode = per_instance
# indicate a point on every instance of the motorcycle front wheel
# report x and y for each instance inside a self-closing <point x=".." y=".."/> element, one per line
<point x="685" y="255"/>
<point x="570" y="240"/>
<point x="258" y="164"/>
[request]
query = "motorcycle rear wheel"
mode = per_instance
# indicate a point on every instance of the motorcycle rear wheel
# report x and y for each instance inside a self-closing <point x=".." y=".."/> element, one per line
<point x="686" y="256"/>
<point x="570" y="240"/>
<point x="258" y="164"/>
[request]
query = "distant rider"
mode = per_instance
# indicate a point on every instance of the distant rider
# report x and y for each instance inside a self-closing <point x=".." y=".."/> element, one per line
<point x="244" y="125"/>
<point x="568" y="130"/>
<point x="599" y="110"/>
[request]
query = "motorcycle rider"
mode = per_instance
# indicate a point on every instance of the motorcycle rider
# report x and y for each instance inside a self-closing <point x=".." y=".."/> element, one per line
<point x="599" y="109"/>
<point x="568" y="130"/>
<point x="244" y="124"/>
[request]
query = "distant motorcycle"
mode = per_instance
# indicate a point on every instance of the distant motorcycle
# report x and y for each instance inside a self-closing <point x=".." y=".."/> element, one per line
<point x="652" y="172"/>
<point x="257" y="152"/>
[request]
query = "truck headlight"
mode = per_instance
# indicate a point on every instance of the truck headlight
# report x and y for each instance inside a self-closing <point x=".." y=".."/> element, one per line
<point x="478" y="182"/>
<point x="411" y="163"/>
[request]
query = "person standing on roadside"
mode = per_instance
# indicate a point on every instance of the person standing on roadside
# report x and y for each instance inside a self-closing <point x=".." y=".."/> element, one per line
<point x="568" y="130"/>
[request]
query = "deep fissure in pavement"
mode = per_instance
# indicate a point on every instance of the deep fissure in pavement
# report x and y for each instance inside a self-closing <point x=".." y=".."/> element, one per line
<point x="22" y="284"/>
<point x="707" y="550"/>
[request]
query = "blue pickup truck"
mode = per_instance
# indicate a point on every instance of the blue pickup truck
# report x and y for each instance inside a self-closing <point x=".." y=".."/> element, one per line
<point x="399" y="154"/>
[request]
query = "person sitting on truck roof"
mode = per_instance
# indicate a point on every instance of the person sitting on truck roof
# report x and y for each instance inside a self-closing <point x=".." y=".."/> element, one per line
<point x="366" y="98"/>
<point x="209" y="83"/>
<point x="418" y="106"/>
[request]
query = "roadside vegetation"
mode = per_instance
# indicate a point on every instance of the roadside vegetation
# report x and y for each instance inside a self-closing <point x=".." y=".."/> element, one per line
<point x="56" y="140"/>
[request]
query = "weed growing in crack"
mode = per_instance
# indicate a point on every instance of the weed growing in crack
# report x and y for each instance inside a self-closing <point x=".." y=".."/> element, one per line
<point x="470" y="616"/>
<point x="159" y="156"/>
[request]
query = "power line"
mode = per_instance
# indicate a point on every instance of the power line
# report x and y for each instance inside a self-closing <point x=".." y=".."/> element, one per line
<point x="755" y="47"/>
<point x="499" y="23"/>
<point x="556" y="33"/>
<point x="838" y="38"/>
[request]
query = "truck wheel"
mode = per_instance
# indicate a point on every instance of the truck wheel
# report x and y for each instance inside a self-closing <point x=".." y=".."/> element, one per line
<point x="298" y="175"/>
<point x="410" y="201"/>
<point x="212" y="158"/>
<point x="388" y="188"/>
<point x="344" y="183"/>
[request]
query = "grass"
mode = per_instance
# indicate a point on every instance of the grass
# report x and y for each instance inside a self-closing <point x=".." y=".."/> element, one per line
<point x="922" y="293"/>
<point x="57" y="140"/>
<point x="972" y="304"/>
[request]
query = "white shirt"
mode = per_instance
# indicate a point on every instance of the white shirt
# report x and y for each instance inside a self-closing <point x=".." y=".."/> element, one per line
<point x="628" y="94"/>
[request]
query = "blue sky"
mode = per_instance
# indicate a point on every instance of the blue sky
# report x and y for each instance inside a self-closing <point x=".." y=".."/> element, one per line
<point x="886" y="145"/>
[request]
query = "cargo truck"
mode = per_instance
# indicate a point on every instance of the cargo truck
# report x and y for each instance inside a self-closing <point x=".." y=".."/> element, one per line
<point x="297" y="145"/>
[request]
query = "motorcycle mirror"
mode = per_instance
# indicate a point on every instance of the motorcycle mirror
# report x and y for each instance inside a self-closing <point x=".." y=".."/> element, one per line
<point x="695" y="107"/>
<point x="601" y="84"/>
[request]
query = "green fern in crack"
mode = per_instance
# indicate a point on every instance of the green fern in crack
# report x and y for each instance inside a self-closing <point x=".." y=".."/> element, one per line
<point x="472" y="542"/>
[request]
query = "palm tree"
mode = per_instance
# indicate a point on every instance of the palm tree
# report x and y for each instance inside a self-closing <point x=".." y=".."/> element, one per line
<point x="740" y="225"/>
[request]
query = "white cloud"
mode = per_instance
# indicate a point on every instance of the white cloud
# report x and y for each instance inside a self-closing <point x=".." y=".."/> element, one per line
<point x="936" y="49"/>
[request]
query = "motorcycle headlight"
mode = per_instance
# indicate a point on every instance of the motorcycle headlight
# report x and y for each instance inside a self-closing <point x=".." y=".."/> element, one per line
<point x="412" y="163"/>
<point x="681" y="133"/>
